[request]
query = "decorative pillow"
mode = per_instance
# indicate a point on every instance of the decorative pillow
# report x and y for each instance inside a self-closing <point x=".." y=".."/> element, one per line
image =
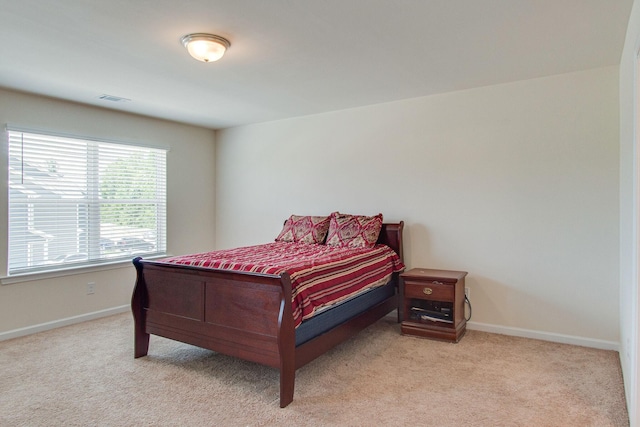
<point x="286" y="235"/>
<point x="354" y="231"/>
<point x="304" y="229"/>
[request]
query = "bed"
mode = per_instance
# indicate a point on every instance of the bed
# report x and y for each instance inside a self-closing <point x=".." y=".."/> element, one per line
<point x="250" y="315"/>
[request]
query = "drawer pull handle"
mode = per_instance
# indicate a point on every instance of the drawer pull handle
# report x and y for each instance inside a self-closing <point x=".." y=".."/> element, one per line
<point x="435" y="282"/>
<point x="427" y="291"/>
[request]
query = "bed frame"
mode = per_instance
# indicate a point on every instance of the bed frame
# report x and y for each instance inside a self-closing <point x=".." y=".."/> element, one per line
<point x="240" y="314"/>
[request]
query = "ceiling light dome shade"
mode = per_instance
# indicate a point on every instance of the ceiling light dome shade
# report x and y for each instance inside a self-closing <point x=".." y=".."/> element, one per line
<point x="205" y="47"/>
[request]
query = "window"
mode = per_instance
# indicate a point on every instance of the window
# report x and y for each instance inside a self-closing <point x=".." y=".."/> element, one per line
<point x="77" y="202"/>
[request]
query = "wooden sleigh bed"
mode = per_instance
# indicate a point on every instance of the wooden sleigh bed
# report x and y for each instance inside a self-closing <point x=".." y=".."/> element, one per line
<point x="242" y="314"/>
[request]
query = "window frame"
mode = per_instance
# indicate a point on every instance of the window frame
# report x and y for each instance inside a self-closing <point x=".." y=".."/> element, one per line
<point x="96" y="259"/>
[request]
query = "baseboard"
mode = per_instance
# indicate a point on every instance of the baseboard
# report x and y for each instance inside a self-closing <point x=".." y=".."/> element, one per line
<point x="483" y="327"/>
<point x="545" y="336"/>
<point x="62" y="322"/>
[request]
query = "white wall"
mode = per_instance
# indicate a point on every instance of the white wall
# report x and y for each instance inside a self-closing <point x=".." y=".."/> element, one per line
<point x="190" y="205"/>
<point x="516" y="184"/>
<point x="629" y="213"/>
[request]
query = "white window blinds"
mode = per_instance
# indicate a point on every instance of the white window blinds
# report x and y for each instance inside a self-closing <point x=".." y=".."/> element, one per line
<point x="76" y="202"/>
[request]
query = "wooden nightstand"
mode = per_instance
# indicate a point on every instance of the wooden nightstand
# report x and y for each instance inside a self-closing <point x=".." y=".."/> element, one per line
<point x="433" y="303"/>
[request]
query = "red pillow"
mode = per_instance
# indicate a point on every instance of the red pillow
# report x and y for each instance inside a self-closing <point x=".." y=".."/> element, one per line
<point x="354" y="231"/>
<point x="304" y="229"/>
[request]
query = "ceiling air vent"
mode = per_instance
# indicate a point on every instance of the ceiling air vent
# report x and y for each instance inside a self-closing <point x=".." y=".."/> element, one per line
<point x="113" y="98"/>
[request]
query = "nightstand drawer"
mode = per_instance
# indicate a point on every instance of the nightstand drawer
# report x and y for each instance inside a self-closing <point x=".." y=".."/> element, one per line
<point x="429" y="290"/>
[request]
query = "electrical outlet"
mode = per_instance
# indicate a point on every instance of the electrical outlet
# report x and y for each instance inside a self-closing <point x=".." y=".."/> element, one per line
<point x="91" y="288"/>
<point x="467" y="292"/>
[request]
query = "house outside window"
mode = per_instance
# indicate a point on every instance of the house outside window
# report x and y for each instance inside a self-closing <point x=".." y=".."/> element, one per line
<point x="75" y="202"/>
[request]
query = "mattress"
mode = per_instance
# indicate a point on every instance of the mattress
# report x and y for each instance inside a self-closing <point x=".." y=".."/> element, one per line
<point x="343" y="311"/>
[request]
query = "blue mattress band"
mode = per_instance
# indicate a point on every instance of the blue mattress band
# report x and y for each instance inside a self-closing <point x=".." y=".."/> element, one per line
<point x="330" y="318"/>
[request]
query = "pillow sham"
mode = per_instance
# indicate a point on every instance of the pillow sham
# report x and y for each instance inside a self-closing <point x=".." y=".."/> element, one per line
<point x="304" y="229"/>
<point x="353" y="231"/>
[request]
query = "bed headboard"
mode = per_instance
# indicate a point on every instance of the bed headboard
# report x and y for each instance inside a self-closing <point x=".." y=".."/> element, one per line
<point x="391" y="235"/>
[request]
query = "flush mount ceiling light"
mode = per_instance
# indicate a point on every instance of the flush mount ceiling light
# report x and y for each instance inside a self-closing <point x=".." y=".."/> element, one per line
<point x="205" y="47"/>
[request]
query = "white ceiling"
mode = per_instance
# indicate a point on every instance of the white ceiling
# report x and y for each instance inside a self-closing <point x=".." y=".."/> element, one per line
<point x="294" y="57"/>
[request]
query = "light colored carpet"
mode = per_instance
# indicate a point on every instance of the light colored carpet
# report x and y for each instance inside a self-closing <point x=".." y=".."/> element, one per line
<point x="85" y="375"/>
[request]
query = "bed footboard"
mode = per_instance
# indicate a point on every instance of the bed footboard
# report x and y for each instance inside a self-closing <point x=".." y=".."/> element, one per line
<point x="244" y="315"/>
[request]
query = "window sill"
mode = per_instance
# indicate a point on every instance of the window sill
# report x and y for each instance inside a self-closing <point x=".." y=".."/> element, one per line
<point x="71" y="271"/>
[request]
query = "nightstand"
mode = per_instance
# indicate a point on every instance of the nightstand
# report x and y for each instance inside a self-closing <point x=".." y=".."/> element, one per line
<point x="433" y="303"/>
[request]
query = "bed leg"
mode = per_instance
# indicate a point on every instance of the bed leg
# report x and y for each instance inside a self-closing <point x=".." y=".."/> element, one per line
<point x="141" y="344"/>
<point x="141" y="337"/>
<point x="287" y="384"/>
<point x="287" y="373"/>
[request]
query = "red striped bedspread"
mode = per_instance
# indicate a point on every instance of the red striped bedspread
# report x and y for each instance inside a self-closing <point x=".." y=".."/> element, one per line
<point x="321" y="275"/>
